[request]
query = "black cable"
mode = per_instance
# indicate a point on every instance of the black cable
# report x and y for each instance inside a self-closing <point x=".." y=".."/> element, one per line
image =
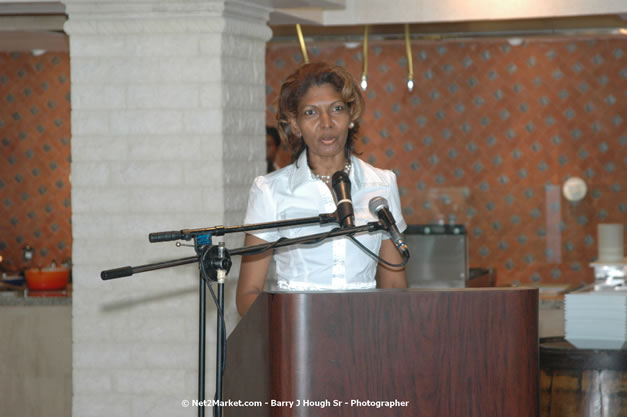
<point x="274" y="244"/>
<point x="377" y="257"/>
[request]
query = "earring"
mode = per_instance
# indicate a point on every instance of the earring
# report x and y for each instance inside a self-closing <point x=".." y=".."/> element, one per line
<point x="351" y="125"/>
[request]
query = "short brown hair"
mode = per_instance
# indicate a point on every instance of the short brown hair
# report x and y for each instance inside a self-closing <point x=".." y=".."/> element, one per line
<point x="296" y="86"/>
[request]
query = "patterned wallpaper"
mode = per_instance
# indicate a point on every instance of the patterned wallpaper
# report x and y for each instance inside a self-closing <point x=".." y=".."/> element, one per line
<point x="488" y="136"/>
<point x="35" y="164"/>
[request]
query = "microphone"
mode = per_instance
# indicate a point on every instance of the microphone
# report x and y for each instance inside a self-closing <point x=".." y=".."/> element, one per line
<point x="379" y="206"/>
<point x="342" y="188"/>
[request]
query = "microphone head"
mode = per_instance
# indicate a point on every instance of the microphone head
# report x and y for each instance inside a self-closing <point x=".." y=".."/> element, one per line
<point x="340" y="176"/>
<point x="376" y="204"/>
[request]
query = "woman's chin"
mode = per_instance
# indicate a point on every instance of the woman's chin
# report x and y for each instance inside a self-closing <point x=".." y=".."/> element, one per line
<point x="326" y="152"/>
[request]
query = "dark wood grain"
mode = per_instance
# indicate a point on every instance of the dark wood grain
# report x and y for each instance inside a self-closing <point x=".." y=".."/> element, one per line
<point x="582" y="382"/>
<point x="461" y="352"/>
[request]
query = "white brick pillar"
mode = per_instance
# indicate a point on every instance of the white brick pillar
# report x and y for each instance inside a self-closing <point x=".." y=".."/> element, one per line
<point x="167" y="133"/>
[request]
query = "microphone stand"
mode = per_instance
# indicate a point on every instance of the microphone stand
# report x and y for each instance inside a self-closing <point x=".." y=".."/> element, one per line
<point x="216" y="260"/>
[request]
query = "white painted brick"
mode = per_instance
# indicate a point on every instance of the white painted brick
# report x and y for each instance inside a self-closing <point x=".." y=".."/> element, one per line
<point x="159" y="355"/>
<point x="99" y="405"/>
<point x="191" y="383"/>
<point x="159" y="293"/>
<point x="94" y="307"/>
<point x="100" y="356"/>
<point x="90" y="122"/>
<point x="98" y="148"/>
<point x="238" y="198"/>
<point x="235" y="217"/>
<point x="167" y="148"/>
<point x="236" y="46"/>
<point x="105" y="250"/>
<point x="243" y="121"/>
<point x="163" y="96"/>
<point x="242" y="96"/>
<point x="120" y="46"/>
<point x="149" y="329"/>
<point x="210" y="144"/>
<point x="87" y="277"/>
<point x="87" y="329"/>
<point x="182" y="279"/>
<point x="210" y="95"/>
<point x="134" y="226"/>
<point x="191" y="328"/>
<point x="97" y="46"/>
<point x="205" y="121"/>
<point x="165" y="406"/>
<point x="213" y="200"/>
<point x="243" y="175"/>
<point x="90" y="381"/>
<point x="165" y="199"/>
<point x="137" y="173"/>
<point x="153" y="316"/>
<point x="131" y="69"/>
<point x="90" y="173"/>
<point x="89" y="225"/>
<point x="92" y="70"/>
<point x="208" y="174"/>
<point x="211" y="45"/>
<point x="146" y="122"/>
<point x="97" y="96"/>
<point x="183" y="45"/>
<point x="100" y="200"/>
<point x="152" y="381"/>
<point x="240" y="69"/>
<point x="244" y="147"/>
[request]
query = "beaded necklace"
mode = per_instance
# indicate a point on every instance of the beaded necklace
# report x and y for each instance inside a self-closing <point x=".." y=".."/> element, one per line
<point x="327" y="178"/>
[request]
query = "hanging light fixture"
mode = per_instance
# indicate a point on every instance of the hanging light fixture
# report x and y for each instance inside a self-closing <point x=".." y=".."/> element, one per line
<point x="301" y="41"/>
<point x="410" y="64"/>
<point x="364" y="69"/>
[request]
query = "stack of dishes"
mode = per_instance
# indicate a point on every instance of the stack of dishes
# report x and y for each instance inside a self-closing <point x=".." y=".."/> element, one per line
<point x="596" y="320"/>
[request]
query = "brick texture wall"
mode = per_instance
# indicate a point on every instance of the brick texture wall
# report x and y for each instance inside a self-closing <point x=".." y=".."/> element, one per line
<point x="157" y="114"/>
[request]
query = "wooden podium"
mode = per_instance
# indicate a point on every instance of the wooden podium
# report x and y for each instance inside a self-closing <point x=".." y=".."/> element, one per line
<point x="439" y="353"/>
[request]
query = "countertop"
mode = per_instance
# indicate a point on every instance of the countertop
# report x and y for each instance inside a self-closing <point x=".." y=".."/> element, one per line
<point x="23" y="298"/>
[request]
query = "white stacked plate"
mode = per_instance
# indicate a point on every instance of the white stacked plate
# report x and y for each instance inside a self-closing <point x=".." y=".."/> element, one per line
<point x="596" y="320"/>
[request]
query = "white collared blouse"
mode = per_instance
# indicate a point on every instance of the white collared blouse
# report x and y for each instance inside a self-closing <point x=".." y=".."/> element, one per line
<point x="336" y="263"/>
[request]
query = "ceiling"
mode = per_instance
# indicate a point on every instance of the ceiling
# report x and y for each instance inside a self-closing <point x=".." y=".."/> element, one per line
<point x="39" y="25"/>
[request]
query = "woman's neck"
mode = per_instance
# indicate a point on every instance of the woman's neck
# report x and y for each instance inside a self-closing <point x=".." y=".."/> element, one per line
<point x="326" y="165"/>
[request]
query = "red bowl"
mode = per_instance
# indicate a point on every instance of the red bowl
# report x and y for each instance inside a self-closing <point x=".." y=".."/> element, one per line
<point x="47" y="279"/>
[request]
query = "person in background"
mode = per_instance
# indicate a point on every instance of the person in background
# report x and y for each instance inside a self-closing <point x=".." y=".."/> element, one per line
<point x="273" y="142"/>
<point x="319" y="108"/>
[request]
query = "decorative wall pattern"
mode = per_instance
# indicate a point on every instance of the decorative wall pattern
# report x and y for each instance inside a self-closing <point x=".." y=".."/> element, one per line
<point x="35" y="162"/>
<point x="489" y="135"/>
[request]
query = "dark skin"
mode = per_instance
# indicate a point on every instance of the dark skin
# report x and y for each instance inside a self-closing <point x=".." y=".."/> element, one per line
<point x="323" y="121"/>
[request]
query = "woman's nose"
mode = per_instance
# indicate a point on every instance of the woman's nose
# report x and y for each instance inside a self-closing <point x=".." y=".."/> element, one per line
<point x="326" y="119"/>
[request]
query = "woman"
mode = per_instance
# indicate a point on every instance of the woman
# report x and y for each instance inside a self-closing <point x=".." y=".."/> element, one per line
<point x="318" y="115"/>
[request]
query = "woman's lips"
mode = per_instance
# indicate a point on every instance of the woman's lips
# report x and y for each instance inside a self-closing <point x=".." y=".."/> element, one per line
<point x="328" y="140"/>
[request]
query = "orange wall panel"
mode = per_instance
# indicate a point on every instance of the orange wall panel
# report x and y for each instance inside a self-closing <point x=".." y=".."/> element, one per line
<point x="488" y="136"/>
<point x="35" y="162"/>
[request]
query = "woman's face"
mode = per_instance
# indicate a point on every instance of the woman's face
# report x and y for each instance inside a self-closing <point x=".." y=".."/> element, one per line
<point x="322" y="120"/>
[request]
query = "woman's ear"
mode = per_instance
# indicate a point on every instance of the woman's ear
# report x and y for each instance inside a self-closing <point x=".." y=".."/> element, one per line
<point x="295" y="129"/>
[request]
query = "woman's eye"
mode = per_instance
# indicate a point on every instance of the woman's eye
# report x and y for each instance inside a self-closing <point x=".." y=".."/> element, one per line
<point x="309" y="112"/>
<point x="338" y="107"/>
